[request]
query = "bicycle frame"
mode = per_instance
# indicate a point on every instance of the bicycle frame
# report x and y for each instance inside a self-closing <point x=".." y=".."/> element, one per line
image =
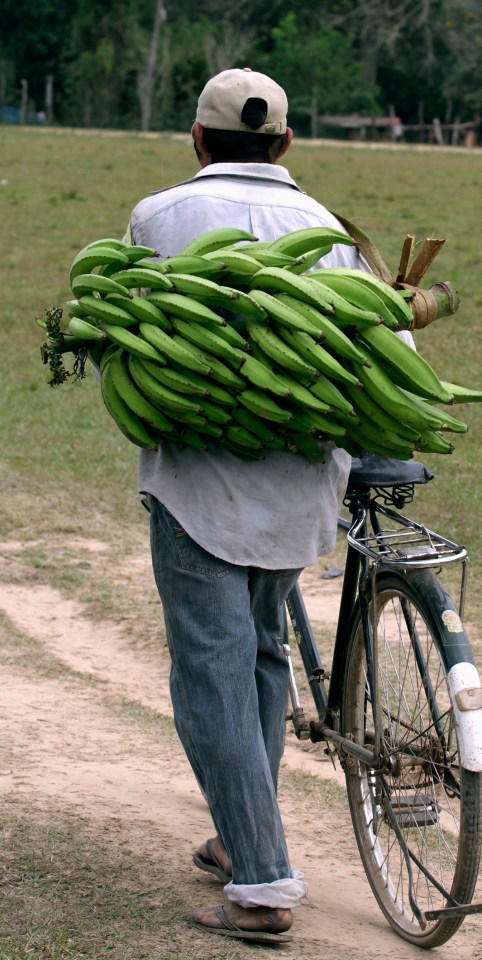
<point x="370" y="548"/>
<point x="328" y="703"/>
<point x="373" y="550"/>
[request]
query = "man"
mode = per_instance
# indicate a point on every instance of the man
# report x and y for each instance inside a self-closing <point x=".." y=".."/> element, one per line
<point x="229" y="536"/>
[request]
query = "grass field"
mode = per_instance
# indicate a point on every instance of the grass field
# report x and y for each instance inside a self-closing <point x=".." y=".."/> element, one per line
<point x="65" y="467"/>
<point x="66" y="472"/>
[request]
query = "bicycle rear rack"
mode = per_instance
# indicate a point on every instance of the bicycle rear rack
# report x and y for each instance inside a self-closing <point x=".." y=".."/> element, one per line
<point x="409" y="544"/>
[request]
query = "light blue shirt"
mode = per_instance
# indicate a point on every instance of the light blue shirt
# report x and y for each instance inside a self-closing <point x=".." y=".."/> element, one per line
<point x="276" y="513"/>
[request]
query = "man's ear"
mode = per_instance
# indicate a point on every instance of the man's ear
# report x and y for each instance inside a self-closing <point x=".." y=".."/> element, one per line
<point x="197" y="134"/>
<point x="286" y="145"/>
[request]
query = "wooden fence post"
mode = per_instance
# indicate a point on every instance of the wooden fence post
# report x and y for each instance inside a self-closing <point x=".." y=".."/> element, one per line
<point x="437" y="131"/>
<point x="314" y="117"/>
<point x="3" y="93"/>
<point x="49" y="98"/>
<point x="23" y="101"/>
<point x="421" y="120"/>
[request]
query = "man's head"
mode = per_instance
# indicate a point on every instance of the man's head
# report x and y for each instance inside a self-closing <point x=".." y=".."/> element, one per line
<point x="241" y="116"/>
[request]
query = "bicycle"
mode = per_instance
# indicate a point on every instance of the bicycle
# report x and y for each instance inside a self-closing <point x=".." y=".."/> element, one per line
<point x="401" y="707"/>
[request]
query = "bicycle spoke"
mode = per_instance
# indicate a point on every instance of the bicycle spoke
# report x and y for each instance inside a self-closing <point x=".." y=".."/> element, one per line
<point x="409" y="817"/>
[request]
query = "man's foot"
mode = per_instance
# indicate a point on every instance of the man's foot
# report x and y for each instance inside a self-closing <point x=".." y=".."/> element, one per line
<point x="256" y="924"/>
<point x="212" y="858"/>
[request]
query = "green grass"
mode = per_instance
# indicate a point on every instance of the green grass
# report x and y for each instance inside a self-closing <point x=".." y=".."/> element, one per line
<point x="66" y="470"/>
<point x="29" y="657"/>
<point x="70" y="890"/>
<point x="327" y="793"/>
<point x="74" y="889"/>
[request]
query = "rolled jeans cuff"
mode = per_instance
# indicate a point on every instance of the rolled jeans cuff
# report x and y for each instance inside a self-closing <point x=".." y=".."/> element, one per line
<point x="286" y="893"/>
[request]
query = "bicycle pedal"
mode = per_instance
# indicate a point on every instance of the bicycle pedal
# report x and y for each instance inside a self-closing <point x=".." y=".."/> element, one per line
<point x="331" y="754"/>
<point x="414" y="809"/>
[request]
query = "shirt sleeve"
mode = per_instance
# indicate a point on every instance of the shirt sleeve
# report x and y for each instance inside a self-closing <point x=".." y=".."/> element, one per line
<point x="407" y="337"/>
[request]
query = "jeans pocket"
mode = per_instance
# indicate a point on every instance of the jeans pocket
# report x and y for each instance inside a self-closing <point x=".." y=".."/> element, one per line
<point x="192" y="556"/>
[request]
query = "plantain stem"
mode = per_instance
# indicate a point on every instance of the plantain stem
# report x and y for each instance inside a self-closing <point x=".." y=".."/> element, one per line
<point x="58" y="343"/>
<point x="447" y="297"/>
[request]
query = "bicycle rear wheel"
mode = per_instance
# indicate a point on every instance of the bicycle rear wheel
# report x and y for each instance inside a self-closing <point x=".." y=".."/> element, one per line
<point x="418" y="824"/>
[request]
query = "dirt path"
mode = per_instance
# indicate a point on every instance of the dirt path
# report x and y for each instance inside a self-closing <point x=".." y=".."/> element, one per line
<point x="80" y="740"/>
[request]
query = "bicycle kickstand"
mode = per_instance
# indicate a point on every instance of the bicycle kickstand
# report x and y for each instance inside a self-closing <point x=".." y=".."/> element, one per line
<point x="301" y="725"/>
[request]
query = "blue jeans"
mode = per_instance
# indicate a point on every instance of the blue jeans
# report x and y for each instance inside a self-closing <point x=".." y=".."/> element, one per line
<point x="229" y="689"/>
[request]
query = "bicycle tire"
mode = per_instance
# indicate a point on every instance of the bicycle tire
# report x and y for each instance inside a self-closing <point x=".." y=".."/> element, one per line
<point x="433" y="802"/>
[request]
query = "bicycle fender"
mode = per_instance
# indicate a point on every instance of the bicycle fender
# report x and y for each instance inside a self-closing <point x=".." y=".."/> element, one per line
<point x="466" y="696"/>
<point x="464" y="684"/>
<point x="461" y="672"/>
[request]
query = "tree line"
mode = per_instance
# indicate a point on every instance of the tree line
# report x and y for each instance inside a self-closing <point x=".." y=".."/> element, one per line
<point x="140" y="64"/>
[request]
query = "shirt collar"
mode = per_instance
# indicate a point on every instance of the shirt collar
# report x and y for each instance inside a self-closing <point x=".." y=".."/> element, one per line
<point x="253" y="171"/>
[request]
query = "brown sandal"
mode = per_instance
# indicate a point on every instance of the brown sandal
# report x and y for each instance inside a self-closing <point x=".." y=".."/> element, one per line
<point x="230" y="929"/>
<point x="211" y="864"/>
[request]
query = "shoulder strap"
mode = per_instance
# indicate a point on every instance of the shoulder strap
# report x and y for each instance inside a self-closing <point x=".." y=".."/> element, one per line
<point x="440" y="300"/>
<point x="172" y="186"/>
<point x="367" y="248"/>
<point x="128" y="235"/>
<point x="410" y="274"/>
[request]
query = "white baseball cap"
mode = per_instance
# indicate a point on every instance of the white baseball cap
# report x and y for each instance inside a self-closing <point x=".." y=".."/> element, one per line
<point x="222" y="100"/>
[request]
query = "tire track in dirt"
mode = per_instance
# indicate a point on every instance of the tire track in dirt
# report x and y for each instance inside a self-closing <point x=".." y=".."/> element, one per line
<point x="70" y="747"/>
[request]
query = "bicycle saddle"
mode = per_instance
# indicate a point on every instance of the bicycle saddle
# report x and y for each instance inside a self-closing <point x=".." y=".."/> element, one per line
<point x="371" y="470"/>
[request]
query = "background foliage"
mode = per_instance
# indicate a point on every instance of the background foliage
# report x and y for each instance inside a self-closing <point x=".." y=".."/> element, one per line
<point x="65" y="468"/>
<point x="141" y="63"/>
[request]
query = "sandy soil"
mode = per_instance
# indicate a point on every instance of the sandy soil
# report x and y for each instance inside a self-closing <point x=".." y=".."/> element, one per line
<point x="65" y="750"/>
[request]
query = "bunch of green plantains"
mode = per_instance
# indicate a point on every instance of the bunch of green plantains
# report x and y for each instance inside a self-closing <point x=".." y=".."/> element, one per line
<point x="248" y="346"/>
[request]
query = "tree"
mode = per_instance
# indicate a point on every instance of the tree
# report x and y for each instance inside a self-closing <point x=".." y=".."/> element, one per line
<point x="461" y="81"/>
<point x="378" y="28"/>
<point x="146" y="79"/>
<point x="32" y="35"/>
<point x="433" y="66"/>
<point x="224" y="47"/>
<point x="320" y="71"/>
<point x="101" y="57"/>
<point x="141" y="63"/>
